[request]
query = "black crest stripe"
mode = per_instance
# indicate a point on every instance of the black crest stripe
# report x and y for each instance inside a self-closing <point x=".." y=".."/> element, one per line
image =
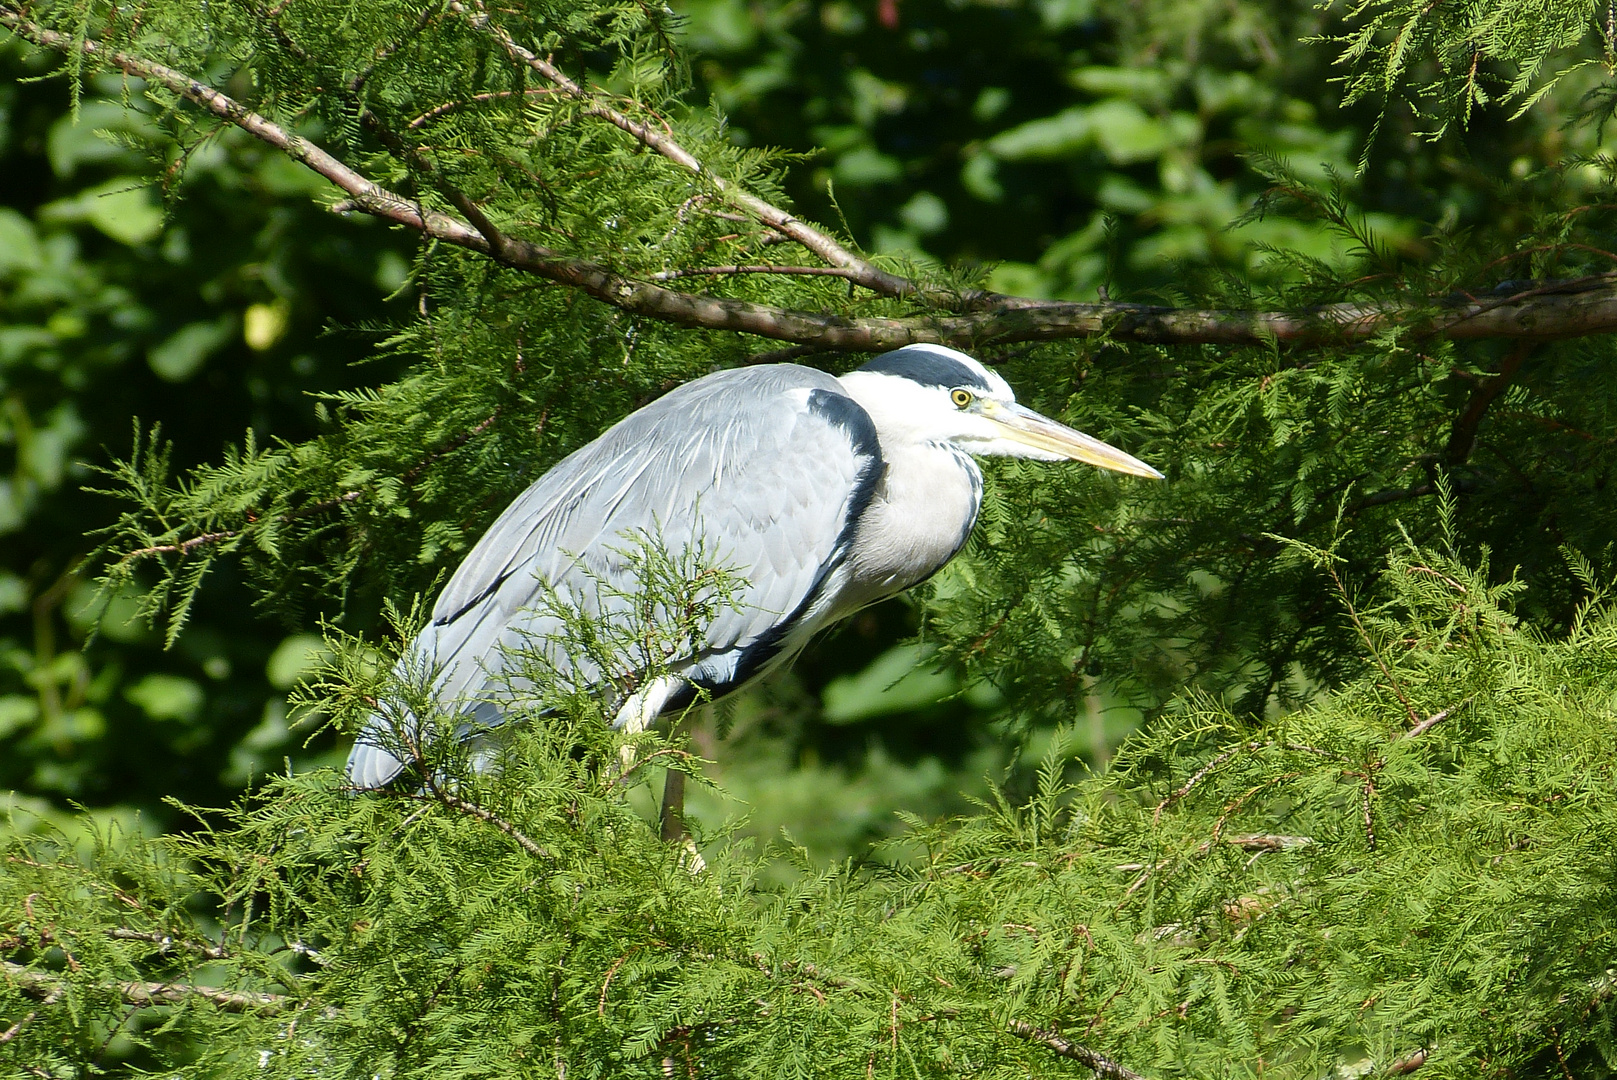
<point x="927" y="368"/>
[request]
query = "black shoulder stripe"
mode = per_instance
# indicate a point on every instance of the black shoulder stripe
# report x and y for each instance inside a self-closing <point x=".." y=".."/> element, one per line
<point x="846" y="414"/>
<point x="842" y="411"/>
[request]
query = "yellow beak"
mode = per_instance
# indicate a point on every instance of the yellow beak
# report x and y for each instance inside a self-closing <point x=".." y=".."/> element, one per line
<point x="1041" y="433"/>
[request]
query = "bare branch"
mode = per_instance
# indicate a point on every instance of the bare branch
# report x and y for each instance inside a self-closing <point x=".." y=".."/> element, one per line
<point x="1102" y="1065"/>
<point x="1196" y="778"/>
<point x="1268" y="842"/>
<point x="1381" y="498"/>
<point x="1463" y="435"/>
<point x="184" y="547"/>
<point x="465" y="807"/>
<point x="368" y="196"/>
<point x="1427" y="725"/>
<point x="448" y="107"/>
<point x="16" y="1029"/>
<point x="1200" y="774"/>
<point x="1375" y="654"/>
<point x="48" y="989"/>
<point x="1407" y="1064"/>
<point x="1432" y="721"/>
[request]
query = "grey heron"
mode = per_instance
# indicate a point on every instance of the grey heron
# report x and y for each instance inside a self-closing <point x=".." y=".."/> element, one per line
<point x="825" y="494"/>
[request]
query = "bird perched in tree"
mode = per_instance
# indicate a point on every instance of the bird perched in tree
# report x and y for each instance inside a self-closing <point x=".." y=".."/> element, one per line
<point x="822" y="494"/>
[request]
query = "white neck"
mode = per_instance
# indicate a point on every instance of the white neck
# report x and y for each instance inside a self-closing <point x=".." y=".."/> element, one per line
<point x="925" y="503"/>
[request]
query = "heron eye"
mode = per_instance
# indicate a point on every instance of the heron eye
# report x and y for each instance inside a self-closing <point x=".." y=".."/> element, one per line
<point x="961" y="398"/>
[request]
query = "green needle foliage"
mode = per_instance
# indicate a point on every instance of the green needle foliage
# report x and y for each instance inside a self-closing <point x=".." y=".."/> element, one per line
<point x="1412" y="871"/>
<point x="1355" y="836"/>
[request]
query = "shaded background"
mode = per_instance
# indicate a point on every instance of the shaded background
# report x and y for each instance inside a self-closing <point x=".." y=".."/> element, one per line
<point x="1065" y="146"/>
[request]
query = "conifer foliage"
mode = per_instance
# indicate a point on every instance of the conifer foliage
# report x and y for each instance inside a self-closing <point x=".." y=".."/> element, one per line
<point x="1368" y="830"/>
<point x="1412" y="873"/>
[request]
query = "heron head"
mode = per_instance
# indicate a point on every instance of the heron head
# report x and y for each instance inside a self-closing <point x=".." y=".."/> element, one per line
<point x="934" y="394"/>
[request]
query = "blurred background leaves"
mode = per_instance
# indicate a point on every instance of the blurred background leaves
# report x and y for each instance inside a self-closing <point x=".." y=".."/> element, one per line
<point x="208" y="314"/>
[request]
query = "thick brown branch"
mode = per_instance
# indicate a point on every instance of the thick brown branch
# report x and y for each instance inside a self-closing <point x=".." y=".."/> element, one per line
<point x="1546" y="311"/>
<point x="1102" y="1065"/>
<point x="48" y="989"/>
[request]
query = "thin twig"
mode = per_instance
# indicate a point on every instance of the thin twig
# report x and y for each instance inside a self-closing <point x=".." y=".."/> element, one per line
<point x="1195" y="778"/>
<point x="1369" y="643"/>
<point x="822" y="245"/>
<point x="1268" y="842"/>
<point x="382" y="55"/>
<point x="476" y="99"/>
<point x="167" y="943"/>
<point x="1432" y="721"/>
<point x="448" y="798"/>
<point x="48" y="989"/>
<point x="762" y="268"/>
<point x="455" y="802"/>
<point x="1369" y="816"/>
<point x="184" y="547"/>
<point x="16" y="1029"/>
<point x="1381" y="498"/>
<point x="1200" y="774"/>
<point x="1099" y="1063"/>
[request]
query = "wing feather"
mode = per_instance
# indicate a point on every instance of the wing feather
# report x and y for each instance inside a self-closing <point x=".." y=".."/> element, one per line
<point x="769" y="467"/>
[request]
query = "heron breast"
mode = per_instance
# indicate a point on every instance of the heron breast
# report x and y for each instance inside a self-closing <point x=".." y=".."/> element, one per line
<point x="922" y="512"/>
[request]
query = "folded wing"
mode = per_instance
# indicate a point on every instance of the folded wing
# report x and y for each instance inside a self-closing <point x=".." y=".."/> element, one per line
<point x="767" y="469"/>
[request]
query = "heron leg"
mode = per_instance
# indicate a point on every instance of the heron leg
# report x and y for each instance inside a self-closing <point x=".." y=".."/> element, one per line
<point x="672" y="819"/>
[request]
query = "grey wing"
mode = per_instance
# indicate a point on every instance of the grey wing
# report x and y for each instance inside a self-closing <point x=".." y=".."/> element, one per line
<point x="767" y="468"/>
